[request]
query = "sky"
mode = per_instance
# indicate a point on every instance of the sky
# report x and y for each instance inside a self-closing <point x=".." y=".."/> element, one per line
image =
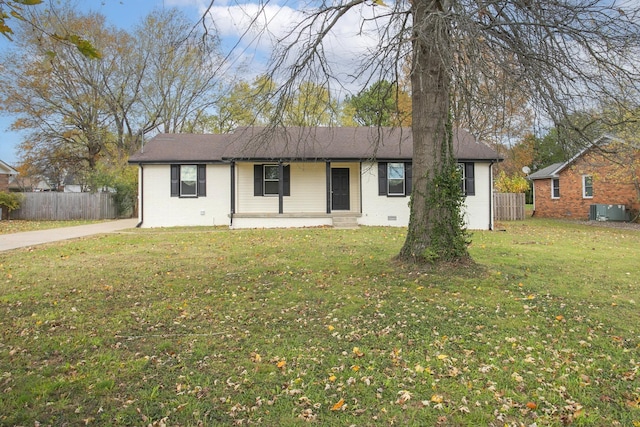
<point x="230" y="18"/>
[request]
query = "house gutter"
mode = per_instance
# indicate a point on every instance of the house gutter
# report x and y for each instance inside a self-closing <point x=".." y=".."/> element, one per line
<point x="139" y="224"/>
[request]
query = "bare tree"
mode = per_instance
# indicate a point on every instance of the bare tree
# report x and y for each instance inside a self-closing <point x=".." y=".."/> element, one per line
<point x="80" y="110"/>
<point x="179" y="70"/>
<point x="56" y="91"/>
<point x="559" y="56"/>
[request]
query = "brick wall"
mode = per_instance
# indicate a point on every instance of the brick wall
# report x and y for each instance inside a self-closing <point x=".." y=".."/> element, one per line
<point x="4" y="182"/>
<point x="612" y="184"/>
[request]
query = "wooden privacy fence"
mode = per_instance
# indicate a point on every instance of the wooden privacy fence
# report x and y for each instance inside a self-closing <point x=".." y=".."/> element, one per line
<point x="508" y="206"/>
<point x="52" y="206"/>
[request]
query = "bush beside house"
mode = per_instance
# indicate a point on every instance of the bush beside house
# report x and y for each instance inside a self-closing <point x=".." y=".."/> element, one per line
<point x="9" y="202"/>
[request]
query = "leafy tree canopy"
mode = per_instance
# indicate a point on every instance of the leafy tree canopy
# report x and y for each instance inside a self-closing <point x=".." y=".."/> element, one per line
<point x="21" y="10"/>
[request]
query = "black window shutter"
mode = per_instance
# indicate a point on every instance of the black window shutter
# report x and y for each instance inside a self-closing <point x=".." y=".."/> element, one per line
<point x="382" y="179"/>
<point x="175" y="180"/>
<point x="202" y="180"/>
<point x="287" y="180"/>
<point x="258" y="189"/>
<point x="470" y="179"/>
<point x="408" y="178"/>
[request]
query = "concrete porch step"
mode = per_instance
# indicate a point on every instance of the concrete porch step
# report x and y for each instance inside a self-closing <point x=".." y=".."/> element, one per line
<point x="345" y="222"/>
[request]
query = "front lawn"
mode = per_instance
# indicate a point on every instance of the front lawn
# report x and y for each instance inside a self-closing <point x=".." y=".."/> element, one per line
<point x="19" y="226"/>
<point x="206" y="326"/>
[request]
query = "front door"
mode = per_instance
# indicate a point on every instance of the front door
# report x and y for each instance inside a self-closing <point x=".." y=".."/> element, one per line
<point x="340" y="189"/>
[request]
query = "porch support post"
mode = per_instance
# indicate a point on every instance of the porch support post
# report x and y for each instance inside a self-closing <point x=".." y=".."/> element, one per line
<point x="328" y="175"/>
<point x="280" y="187"/>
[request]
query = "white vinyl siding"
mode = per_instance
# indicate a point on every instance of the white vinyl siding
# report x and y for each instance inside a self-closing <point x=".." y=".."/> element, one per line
<point x="308" y="190"/>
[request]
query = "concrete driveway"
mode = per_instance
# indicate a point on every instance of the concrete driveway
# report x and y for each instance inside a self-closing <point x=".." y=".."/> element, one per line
<point x="33" y="238"/>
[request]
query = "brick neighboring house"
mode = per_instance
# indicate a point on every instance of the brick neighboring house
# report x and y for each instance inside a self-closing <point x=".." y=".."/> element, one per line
<point x="606" y="173"/>
<point x="6" y="172"/>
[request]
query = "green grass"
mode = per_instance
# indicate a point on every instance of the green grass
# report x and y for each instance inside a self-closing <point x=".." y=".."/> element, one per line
<point x="205" y="326"/>
<point x="19" y="226"/>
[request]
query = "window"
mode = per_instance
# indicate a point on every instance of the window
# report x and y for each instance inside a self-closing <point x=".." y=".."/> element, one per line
<point x="394" y="179"/>
<point x="468" y="181"/>
<point x="555" y="188"/>
<point x="270" y="180"/>
<point x="266" y="180"/>
<point x="395" y="174"/>
<point x="188" y="181"/>
<point x="587" y="186"/>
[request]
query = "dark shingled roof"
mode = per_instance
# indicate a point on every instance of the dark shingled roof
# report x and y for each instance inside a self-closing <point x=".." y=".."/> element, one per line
<point x="548" y="172"/>
<point x="297" y="143"/>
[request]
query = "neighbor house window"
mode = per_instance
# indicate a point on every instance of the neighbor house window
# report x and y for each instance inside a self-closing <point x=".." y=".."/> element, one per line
<point x="587" y="186"/>
<point x="468" y="181"/>
<point x="266" y="180"/>
<point x="555" y="188"/>
<point x="394" y="179"/>
<point x="188" y="180"/>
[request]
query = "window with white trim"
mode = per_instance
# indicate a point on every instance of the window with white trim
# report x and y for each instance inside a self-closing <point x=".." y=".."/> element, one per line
<point x="188" y="180"/>
<point x="270" y="180"/>
<point x="468" y="180"/>
<point x="555" y="188"/>
<point x="587" y="186"/>
<point x="266" y="180"/>
<point x="396" y="179"/>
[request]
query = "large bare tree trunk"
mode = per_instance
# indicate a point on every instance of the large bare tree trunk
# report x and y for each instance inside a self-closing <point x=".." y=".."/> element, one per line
<point x="436" y="230"/>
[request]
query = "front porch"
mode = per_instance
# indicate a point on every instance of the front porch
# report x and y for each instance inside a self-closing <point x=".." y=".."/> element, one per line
<point x="294" y="220"/>
<point x="295" y="194"/>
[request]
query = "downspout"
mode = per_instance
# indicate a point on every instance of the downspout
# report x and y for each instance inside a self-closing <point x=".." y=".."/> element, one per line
<point x="360" y="179"/>
<point x="141" y="195"/>
<point x="233" y="193"/>
<point x="491" y="195"/>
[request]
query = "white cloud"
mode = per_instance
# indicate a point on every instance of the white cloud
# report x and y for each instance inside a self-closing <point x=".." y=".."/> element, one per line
<point x="254" y="31"/>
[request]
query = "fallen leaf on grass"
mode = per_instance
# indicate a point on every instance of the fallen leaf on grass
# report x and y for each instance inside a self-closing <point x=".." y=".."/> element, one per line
<point x="403" y="396"/>
<point x="338" y="405"/>
<point x="437" y="398"/>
